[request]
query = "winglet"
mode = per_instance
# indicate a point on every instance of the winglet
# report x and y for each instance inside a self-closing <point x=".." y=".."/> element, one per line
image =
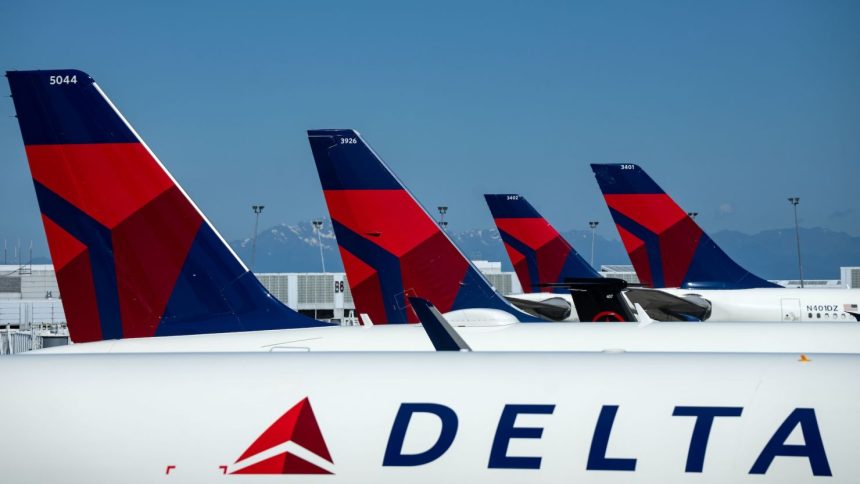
<point x="440" y="332"/>
<point x="642" y="315"/>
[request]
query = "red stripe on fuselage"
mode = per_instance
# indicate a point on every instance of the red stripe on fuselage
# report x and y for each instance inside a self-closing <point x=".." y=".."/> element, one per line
<point x="150" y="248"/>
<point x="107" y="181"/>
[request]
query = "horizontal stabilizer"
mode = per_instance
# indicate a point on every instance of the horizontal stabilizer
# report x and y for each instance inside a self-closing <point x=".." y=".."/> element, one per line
<point x="663" y="306"/>
<point x="554" y="308"/>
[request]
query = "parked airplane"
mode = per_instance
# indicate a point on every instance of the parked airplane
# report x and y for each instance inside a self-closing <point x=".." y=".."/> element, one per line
<point x="551" y="271"/>
<point x="431" y="417"/>
<point x="669" y="250"/>
<point x="471" y="417"/>
<point x="391" y="247"/>
<point x="135" y="258"/>
<point x="794" y="338"/>
<point x="145" y="236"/>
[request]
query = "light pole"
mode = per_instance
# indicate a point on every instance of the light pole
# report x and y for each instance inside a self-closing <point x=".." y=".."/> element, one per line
<point x="442" y="211"/>
<point x="317" y="226"/>
<point x="794" y="201"/>
<point x="257" y="210"/>
<point x="593" y="225"/>
<point x="692" y="215"/>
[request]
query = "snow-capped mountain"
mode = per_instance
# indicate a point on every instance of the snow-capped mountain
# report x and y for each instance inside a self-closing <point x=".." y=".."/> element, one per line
<point x="771" y="253"/>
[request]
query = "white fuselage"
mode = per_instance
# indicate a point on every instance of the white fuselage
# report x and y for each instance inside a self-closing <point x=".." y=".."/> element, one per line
<point x="778" y="304"/>
<point x="592" y="337"/>
<point x="593" y="417"/>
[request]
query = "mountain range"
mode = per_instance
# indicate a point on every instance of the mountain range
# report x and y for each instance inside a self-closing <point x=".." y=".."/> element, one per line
<point x="771" y="254"/>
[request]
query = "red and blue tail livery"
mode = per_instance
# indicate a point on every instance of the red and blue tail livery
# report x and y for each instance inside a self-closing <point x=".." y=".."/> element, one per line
<point x="667" y="248"/>
<point x="539" y="254"/>
<point x="391" y="248"/>
<point x="134" y="256"/>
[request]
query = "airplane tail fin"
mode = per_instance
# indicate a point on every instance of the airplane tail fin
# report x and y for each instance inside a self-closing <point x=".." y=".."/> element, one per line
<point x="391" y="248"/>
<point x="539" y="254"/>
<point x="667" y="248"/>
<point x="134" y="256"/>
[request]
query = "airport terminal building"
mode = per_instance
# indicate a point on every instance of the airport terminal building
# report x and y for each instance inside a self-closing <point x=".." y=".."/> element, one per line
<point x="29" y="295"/>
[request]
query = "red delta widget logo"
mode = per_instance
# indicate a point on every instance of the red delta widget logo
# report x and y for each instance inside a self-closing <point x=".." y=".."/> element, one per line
<point x="292" y="445"/>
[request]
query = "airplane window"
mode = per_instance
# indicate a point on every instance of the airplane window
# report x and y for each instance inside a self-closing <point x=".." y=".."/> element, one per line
<point x="843" y="316"/>
<point x="826" y="315"/>
<point x="818" y="315"/>
<point x="810" y="315"/>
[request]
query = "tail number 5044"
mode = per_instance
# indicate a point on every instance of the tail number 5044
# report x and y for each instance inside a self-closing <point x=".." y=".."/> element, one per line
<point x="57" y="80"/>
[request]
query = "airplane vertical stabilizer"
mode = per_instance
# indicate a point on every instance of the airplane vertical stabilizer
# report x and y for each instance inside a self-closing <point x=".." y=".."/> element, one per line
<point x="665" y="245"/>
<point x="391" y="248"/>
<point x="539" y="254"/>
<point x="134" y="256"/>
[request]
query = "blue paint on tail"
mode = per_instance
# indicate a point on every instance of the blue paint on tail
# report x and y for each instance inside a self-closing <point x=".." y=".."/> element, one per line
<point x="64" y="107"/>
<point x="215" y="292"/>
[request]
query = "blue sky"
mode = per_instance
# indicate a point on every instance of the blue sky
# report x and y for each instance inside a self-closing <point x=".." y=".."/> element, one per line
<point x="731" y="106"/>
